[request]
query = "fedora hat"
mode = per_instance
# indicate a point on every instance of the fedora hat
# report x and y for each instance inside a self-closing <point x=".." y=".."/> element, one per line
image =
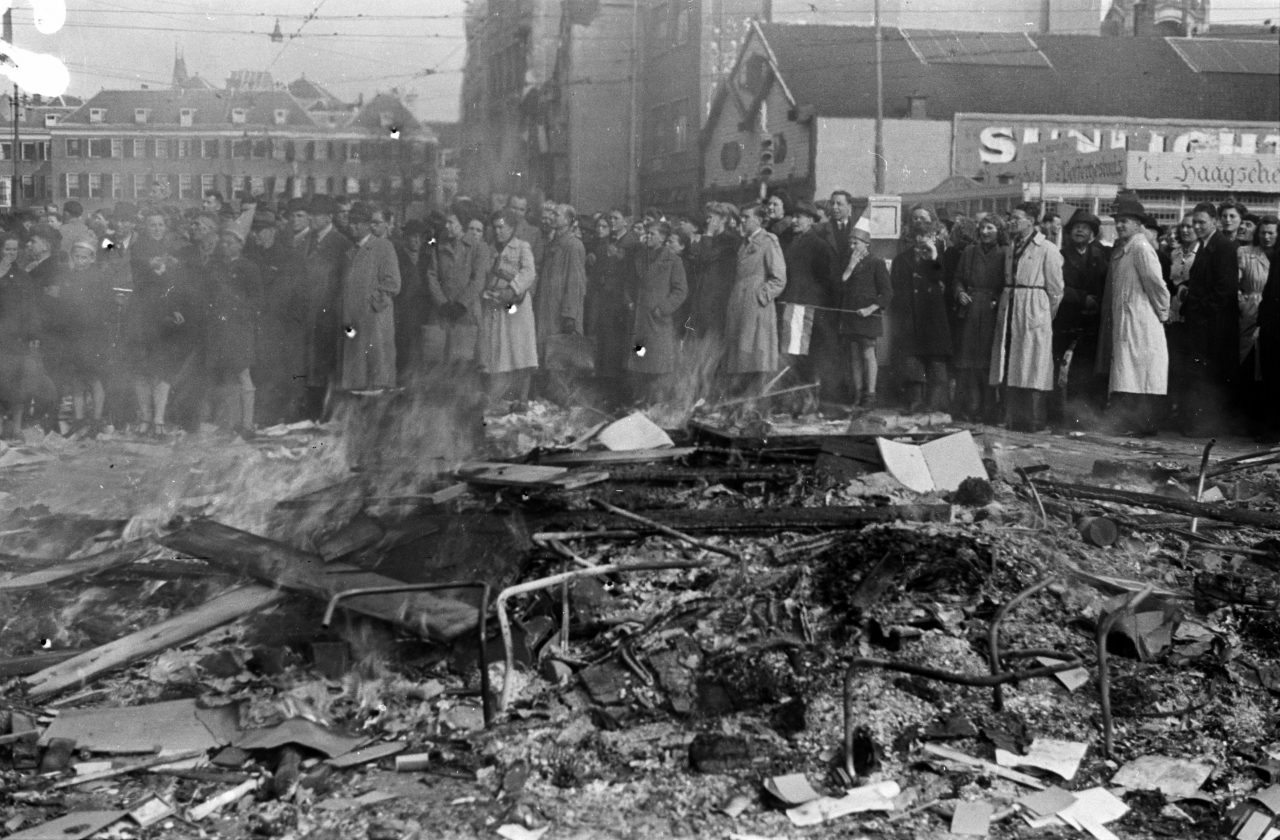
<point x="1082" y="216"/>
<point x="1128" y="204"/>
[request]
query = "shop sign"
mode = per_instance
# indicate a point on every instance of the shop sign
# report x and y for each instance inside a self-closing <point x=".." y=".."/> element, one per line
<point x="1063" y="164"/>
<point x="982" y="140"/>
<point x="1205" y="172"/>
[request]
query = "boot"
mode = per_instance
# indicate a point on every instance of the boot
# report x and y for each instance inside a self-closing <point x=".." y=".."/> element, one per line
<point x="915" y="397"/>
<point x="939" y="396"/>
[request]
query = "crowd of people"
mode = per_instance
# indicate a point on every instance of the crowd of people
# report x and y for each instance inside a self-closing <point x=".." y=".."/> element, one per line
<point x="158" y="320"/>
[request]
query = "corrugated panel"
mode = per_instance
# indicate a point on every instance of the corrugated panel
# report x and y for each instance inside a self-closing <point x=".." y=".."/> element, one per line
<point x="1006" y="49"/>
<point x="1210" y="55"/>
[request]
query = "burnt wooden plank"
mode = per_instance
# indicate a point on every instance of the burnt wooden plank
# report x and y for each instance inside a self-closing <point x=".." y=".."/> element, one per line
<point x="428" y="614"/>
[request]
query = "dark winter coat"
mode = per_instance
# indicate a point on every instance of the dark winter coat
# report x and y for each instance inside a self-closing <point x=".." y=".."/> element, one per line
<point x="919" y="314"/>
<point x="810" y="262"/>
<point x="324" y="262"/>
<point x="868" y="284"/>
<point x="232" y="297"/>
<point x="659" y="290"/>
<point x="1211" y="309"/>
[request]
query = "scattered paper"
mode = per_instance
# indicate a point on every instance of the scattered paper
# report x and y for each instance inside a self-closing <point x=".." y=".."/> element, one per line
<point x="635" y="431"/>
<point x="1070" y="680"/>
<point x="972" y="819"/>
<point x="1047" y="803"/>
<point x="874" y="797"/>
<point x="1171" y="776"/>
<point x="1092" y="810"/>
<point x="151" y="811"/>
<point x="1062" y="758"/>
<point x="735" y="807"/>
<point x="940" y="464"/>
<point x="791" y="790"/>
<point x="1269" y="798"/>
<point x="515" y="831"/>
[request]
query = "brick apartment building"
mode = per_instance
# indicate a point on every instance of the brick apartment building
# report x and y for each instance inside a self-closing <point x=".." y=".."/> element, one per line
<point x="252" y="137"/>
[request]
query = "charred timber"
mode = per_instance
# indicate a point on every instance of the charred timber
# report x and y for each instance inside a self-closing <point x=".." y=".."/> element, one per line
<point x="427" y="614"/>
<point x="747" y="521"/>
<point x="1220" y="512"/>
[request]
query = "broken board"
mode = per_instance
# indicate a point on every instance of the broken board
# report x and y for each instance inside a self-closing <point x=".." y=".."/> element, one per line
<point x="425" y="613"/>
<point x="499" y="474"/>
<point x="940" y="464"/>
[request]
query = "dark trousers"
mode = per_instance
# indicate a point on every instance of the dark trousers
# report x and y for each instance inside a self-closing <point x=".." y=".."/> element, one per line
<point x="1025" y="409"/>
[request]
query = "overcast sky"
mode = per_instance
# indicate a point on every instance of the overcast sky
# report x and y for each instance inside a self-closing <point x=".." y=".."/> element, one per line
<point x="350" y="46"/>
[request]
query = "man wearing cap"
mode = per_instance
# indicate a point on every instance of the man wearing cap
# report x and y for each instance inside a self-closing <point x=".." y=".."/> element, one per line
<point x="1075" y="327"/>
<point x="1135" y="306"/>
<point x="282" y="323"/>
<point x="367" y="314"/>
<point x="1022" y="356"/>
<point x="324" y="261"/>
<point x="865" y="292"/>
<point x="804" y="305"/>
<point x="1210" y="310"/>
<point x="417" y="266"/>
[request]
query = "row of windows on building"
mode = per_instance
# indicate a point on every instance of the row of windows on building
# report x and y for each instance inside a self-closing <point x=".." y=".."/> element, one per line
<point x="183" y="186"/>
<point x="246" y="148"/>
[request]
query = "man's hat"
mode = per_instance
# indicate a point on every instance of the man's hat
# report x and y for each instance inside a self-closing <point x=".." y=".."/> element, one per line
<point x="1127" y="204"/>
<point x="323" y="205"/>
<point x="124" y="211"/>
<point x="1083" y="216"/>
<point x="861" y="230"/>
<point x="297" y="205"/>
<point x="414" y="227"/>
<point x="805" y="208"/>
<point x="263" y="219"/>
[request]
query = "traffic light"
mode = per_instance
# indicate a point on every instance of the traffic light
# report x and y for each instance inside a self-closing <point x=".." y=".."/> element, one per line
<point x="766" y="158"/>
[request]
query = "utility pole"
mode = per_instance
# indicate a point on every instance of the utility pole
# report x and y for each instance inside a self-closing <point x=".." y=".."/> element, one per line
<point x="633" y="163"/>
<point x="16" y="182"/>
<point x="879" y="145"/>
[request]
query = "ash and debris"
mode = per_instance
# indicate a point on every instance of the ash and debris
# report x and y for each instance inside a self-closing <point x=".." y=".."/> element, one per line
<point x="678" y="693"/>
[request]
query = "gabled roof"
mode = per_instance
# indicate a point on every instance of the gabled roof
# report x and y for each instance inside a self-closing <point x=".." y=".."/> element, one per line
<point x="311" y="92"/>
<point x="830" y="70"/>
<point x="212" y="108"/>
<point x="384" y="112"/>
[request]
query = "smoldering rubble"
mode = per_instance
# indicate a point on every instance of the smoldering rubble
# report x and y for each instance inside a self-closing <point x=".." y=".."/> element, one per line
<point x="416" y="621"/>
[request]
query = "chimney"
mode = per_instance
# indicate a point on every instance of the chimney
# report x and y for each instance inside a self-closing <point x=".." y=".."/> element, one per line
<point x="917" y="107"/>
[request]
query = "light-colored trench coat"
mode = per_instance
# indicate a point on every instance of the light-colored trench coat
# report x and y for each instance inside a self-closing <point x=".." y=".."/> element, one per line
<point x="1022" y="354"/>
<point x="1135" y="305"/>
<point x="368" y="343"/>
<point x="508" y="340"/>
<point x="660" y="289"/>
<point x="751" y="320"/>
